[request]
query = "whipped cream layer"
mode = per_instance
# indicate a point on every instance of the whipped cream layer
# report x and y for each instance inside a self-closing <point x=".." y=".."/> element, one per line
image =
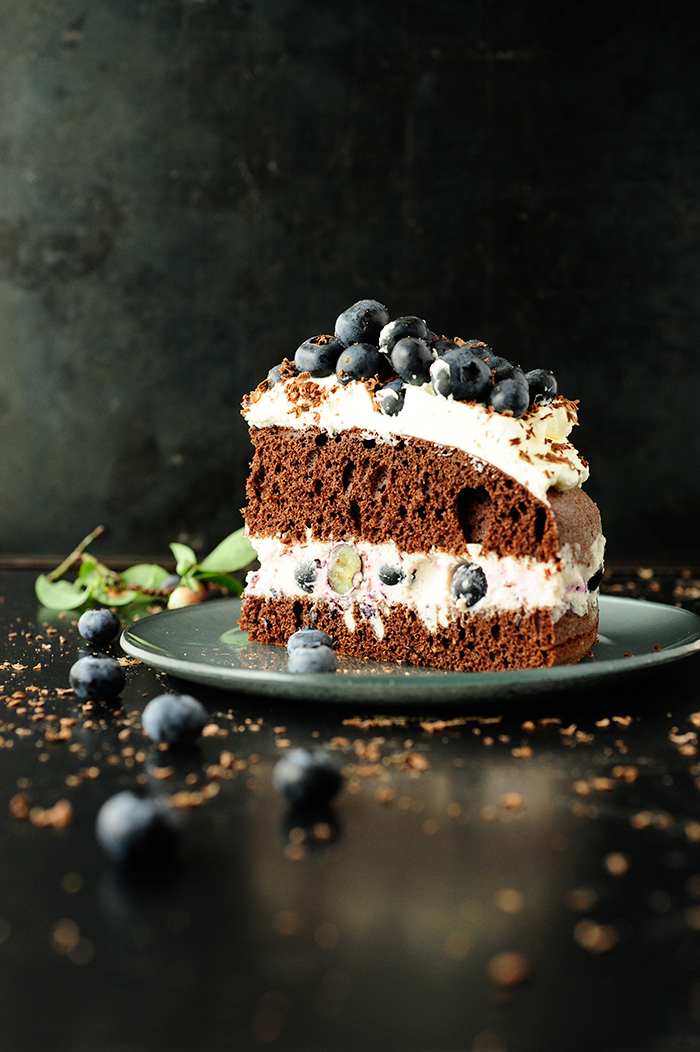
<point x="425" y="578"/>
<point x="533" y="449"/>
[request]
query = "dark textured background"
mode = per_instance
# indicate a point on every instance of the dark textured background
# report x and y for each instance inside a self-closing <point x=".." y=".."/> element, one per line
<point x="189" y="188"/>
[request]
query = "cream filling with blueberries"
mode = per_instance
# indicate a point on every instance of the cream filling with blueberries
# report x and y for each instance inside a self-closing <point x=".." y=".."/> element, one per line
<point x="364" y="581"/>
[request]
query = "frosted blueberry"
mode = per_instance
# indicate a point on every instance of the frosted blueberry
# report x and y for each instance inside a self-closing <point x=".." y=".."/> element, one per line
<point x="305" y="575"/>
<point x="134" y="830"/>
<point x="308" y="637"/>
<point x="359" y="361"/>
<point x="174" y="718"/>
<point x="97" y="678"/>
<point x="468" y="584"/>
<point x="306" y="776"/>
<point x="318" y="356"/>
<point x="312" y="659"/>
<point x="391" y="397"/>
<point x="361" y="323"/>
<point x="542" y="386"/>
<point x="398" y="329"/>
<point x="391" y="575"/>
<point x="412" y="359"/>
<point x="99" y="626"/>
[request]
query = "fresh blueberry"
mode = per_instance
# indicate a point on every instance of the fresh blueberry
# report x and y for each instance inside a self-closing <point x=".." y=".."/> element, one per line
<point x="398" y="329"/>
<point x="307" y="776"/>
<point x="461" y="374"/>
<point x="501" y="368"/>
<point x="480" y="349"/>
<point x="99" y="626"/>
<point x="442" y="346"/>
<point x="359" y="361"/>
<point x="318" y="356"/>
<point x="305" y="575"/>
<point x="361" y="323"/>
<point x="97" y="678"/>
<point x="594" y="581"/>
<point x="412" y="359"/>
<point x="511" y="395"/>
<point x="312" y="659"/>
<point x="542" y="385"/>
<point x="391" y="575"/>
<point x="468" y="584"/>
<point x="280" y="373"/>
<point x="174" y="718"/>
<point x="391" y="397"/>
<point x="136" y="831"/>
<point x="308" y="637"/>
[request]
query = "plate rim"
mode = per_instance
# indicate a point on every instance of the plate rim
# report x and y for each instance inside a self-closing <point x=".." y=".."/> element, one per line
<point x="453" y="686"/>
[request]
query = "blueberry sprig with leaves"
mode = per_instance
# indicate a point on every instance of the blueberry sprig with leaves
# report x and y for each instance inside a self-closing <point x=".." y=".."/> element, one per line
<point x="94" y="583"/>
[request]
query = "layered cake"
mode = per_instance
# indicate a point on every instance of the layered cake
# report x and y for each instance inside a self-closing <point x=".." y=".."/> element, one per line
<point x="418" y="499"/>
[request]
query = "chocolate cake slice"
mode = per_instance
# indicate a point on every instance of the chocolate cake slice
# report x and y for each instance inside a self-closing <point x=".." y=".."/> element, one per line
<point x="420" y="502"/>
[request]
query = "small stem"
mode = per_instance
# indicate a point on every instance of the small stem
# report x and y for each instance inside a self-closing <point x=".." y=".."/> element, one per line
<point x="75" y="554"/>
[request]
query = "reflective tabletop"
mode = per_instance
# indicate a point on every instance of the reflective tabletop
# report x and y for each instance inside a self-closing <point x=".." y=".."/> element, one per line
<point x="515" y="875"/>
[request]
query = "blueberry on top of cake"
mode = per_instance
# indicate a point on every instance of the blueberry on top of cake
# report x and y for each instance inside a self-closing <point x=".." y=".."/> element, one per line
<point x="417" y="497"/>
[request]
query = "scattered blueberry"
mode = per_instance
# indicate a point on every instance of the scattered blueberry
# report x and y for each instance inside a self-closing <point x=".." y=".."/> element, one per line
<point x="391" y="575"/>
<point x="174" y="718"/>
<point x="391" y="397"/>
<point x="542" y="385"/>
<point x="594" y="581"/>
<point x="318" y="356"/>
<point x="305" y="575"/>
<point x="306" y="776"/>
<point x="361" y="323"/>
<point x="308" y="637"/>
<point x="461" y="374"/>
<point x="468" y="584"/>
<point x="281" y="372"/>
<point x="135" y="830"/>
<point x="99" y="626"/>
<point x="97" y="678"/>
<point x="398" y="329"/>
<point x="170" y="583"/>
<point x="511" y="395"/>
<point x="312" y="659"/>
<point x="359" y="361"/>
<point x="412" y="359"/>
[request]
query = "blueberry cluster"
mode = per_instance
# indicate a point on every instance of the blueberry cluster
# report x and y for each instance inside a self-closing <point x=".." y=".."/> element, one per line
<point x="366" y="343"/>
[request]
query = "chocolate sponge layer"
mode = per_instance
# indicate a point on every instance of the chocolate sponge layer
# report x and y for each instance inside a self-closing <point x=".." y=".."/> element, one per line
<point x="412" y="492"/>
<point x="472" y="642"/>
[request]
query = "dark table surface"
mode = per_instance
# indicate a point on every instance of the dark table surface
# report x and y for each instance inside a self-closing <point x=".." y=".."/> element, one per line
<point x="563" y="830"/>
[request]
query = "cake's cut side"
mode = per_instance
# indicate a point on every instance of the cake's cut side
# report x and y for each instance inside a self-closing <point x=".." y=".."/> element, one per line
<point x="420" y="501"/>
<point x="348" y="542"/>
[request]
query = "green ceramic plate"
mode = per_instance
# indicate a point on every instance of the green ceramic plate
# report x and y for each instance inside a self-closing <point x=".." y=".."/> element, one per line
<point x="204" y="644"/>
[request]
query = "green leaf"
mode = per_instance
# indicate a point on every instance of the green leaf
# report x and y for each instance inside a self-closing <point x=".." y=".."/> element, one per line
<point x="144" y="575"/>
<point x="110" y="598"/>
<point x="59" y="595"/>
<point x="88" y="568"/>
<point x="233" y="553"/>
<point x="188" y="580"/>
<point x="223" y="579"/>
<point x="186" y="558"/>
